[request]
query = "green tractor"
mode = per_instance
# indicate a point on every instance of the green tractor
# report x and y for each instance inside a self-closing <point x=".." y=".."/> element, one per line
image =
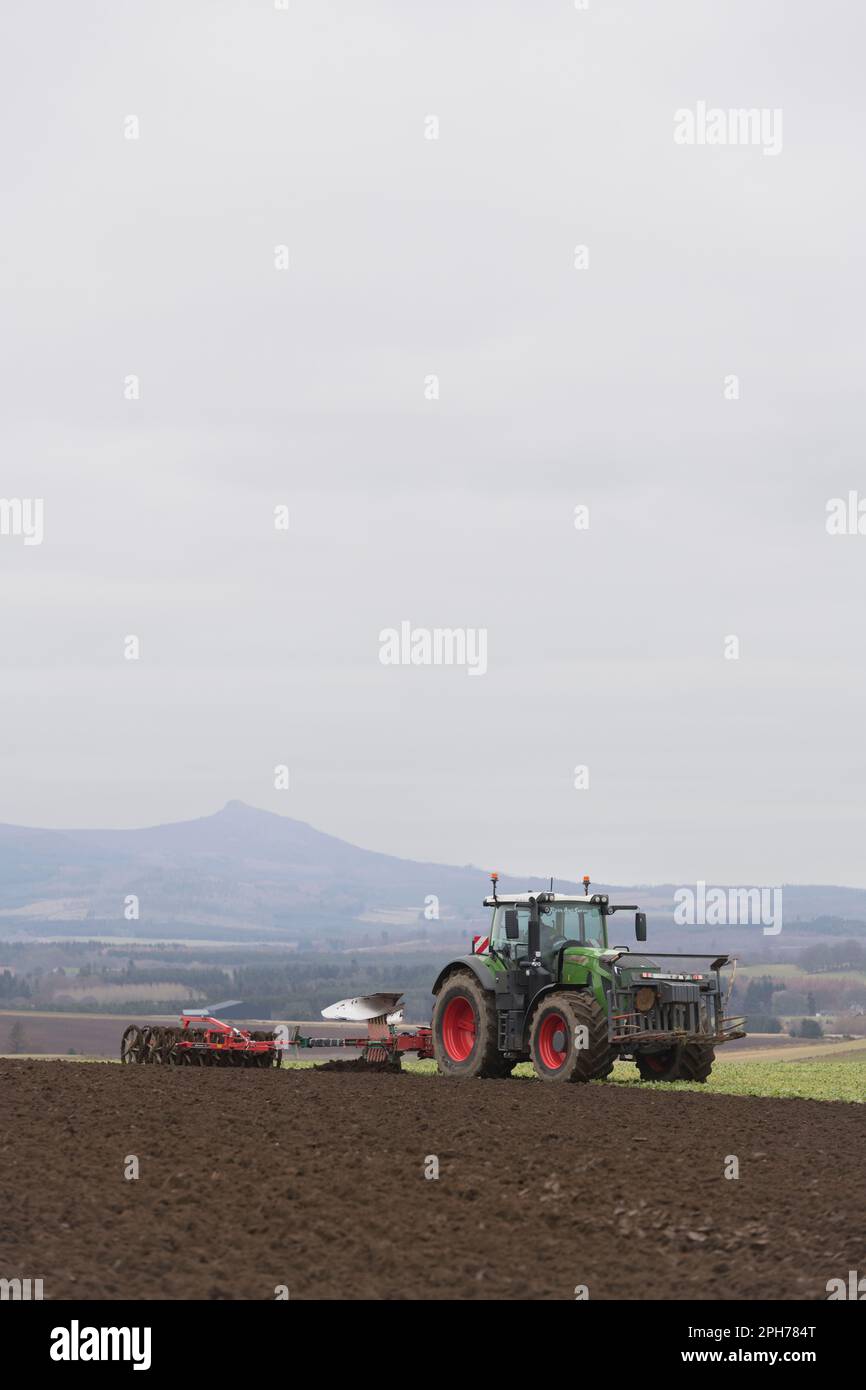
<point x="545" y="986"/>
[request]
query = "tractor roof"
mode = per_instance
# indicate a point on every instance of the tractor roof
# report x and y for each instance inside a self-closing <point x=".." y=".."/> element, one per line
<point x="507" y="899"/>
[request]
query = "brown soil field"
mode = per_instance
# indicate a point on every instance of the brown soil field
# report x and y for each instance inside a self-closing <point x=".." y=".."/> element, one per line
<point x="315" y="1180"/>
<point x="91" y="1035"/>
<point x="766" y="1042"/>
<point x="776" y="1047"/>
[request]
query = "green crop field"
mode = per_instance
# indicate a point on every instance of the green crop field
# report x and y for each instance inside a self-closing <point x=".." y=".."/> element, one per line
<point x="813" y="1080"/>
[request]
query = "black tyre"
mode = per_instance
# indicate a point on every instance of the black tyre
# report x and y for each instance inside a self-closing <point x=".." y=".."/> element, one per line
<point x="130" y="1045"/>
<point x="691" y="1062"/>
<point x="464" y="1029"/>
<point x="162" y="1047"/>
<point x="568" y="1038"/>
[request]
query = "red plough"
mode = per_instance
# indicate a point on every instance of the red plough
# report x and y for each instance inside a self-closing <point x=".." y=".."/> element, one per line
<point x="202" y="1040"/>
<point x="205" y="1040"/>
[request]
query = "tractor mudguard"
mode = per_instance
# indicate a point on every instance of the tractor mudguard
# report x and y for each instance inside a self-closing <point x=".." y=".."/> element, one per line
<point x="482" y="972"/>
<point x="549" y="989"/>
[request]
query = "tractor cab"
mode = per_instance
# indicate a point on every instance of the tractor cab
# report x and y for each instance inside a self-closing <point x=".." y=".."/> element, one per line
<point x="562" y="921"/>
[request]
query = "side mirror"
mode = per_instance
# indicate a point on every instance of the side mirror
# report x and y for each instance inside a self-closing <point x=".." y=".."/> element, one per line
<point x="512" y="924"/>
<point x="640" y="926"/>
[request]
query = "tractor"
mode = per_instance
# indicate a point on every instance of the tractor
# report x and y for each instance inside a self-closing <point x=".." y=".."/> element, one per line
<point x="545" y="986"/>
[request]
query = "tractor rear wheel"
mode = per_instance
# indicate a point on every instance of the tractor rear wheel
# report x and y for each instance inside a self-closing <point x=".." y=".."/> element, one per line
<point x="568" y="1038"/>
<point x="692" y="1062"/>
<point x="464" y="1029"/>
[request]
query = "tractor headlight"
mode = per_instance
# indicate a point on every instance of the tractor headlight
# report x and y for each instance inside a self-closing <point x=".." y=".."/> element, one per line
<point x="645" y="999"/>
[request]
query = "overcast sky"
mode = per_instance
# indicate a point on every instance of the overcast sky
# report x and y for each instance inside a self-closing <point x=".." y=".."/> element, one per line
<point x="558" y="387"/>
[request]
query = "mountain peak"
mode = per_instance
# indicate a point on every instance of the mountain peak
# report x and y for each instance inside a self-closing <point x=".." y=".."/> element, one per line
<point x="242" y="810"/>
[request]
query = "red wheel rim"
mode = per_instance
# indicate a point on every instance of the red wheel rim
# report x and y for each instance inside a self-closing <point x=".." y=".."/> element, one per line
<point x="657" y="1061"/>
<point x="553" y="1041"/>
<point x="458" y="1028"/>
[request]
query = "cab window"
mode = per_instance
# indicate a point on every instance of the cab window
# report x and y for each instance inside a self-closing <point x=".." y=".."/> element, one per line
<point x="498" y="939"/>
<point x="574" y="922"/>
<point x="559" y="922"/>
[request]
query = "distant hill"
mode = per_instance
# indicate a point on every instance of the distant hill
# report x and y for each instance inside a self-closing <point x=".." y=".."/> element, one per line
<point x="248" y="871"/>
<point x="241" y="869"/>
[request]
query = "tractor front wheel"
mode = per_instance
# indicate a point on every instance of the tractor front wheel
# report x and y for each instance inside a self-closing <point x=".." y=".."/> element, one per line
<point x="692" y="1062"/>
<point x="568" y="1038"/>
<point x="464" y="1029"/>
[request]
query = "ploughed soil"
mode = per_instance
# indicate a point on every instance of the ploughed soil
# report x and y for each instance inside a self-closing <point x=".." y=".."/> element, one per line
<point x="249" y="1180"/>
